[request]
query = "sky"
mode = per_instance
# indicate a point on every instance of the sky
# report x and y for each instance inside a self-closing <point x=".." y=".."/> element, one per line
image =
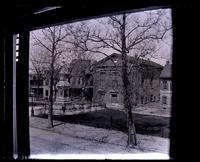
<point x="164" y="47"/>
<point x="162" y="55"/>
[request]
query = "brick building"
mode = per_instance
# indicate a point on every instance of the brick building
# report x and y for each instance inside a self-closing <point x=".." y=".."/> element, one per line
<point x="108" y="85"/>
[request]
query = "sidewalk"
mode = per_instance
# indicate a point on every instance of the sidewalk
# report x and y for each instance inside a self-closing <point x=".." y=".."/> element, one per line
<point x="149" y="109"/>
<point x="111" y="141"/>
<point x="153" y="109"/>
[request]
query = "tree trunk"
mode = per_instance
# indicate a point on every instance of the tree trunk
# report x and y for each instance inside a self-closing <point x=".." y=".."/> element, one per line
<point x="127" y="90"/>
<point x="38" y="86"/>
<point x="50" y="114"/>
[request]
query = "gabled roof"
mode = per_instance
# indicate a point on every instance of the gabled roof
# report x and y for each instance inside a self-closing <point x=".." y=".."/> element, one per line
<point x="130" y="59"/>
<point x="166" y="72"/>
<point x="79" y="66"/>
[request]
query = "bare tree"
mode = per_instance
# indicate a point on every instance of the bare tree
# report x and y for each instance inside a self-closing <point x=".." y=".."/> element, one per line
<point x="50" y="41"/>
<point x="37" y="67"/>
<point x="135" y="34"/>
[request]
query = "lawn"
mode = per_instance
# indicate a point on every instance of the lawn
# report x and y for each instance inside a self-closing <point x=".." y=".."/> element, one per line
<point x="116" y="120"/>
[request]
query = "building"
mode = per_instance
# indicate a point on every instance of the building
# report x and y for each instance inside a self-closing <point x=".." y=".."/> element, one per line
<point x="108" y="85"/>
<point x="75" y="83"/>
<point x="37" y="86"/>
<point x="101" y="82"/>
<point x="81" y="82"/>
<point x="166" y="86"/>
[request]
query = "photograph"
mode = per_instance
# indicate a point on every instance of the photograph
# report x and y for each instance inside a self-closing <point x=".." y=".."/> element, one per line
<point x="102" y="86"/>
<point x="96" y="80"/>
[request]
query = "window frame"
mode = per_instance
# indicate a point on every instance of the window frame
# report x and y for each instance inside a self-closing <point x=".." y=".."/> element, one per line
<point x="7" y="63"/>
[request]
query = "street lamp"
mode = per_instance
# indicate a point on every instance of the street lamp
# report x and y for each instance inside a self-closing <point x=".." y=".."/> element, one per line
<point x="32" y="111"/>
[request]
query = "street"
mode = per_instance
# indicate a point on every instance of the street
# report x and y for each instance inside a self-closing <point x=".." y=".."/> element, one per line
<point x="46" y="142"/>
<point x="71" y="139"/>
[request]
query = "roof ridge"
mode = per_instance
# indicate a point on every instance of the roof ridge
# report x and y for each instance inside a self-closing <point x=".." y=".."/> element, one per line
<point x="130" y="57"/>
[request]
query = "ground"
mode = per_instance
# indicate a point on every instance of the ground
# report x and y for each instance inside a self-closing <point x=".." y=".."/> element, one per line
<point x="71" y="139"/>
<point x="153" y="108"/>
<point x="101" y="133"/>
<point x="152" y="121"/>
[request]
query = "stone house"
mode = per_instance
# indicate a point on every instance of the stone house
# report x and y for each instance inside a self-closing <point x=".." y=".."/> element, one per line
<point x="108" y="85"/>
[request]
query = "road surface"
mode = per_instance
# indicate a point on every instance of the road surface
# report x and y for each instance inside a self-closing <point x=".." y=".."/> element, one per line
<point x="46" y="142"/>
<point x="78" y="140"/>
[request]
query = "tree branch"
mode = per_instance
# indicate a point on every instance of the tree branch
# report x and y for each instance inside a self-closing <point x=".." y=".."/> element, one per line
<point x="41" y="43"/>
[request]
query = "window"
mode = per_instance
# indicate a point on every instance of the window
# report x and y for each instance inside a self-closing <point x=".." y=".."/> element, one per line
<point x="76" y="80"/>
<point x="142" y="83"/>
<point x="165" y="85"/>
<point x="66" y="93"/>
<point x="146" y="99"/>
<point x="152" y="98"/>
<point x="102" y="97"/>
<point x="151" y="82"/>
<point x="31" y="82"/>
<point x="114" y="83"/>
<point x="34" y="77"/>
<point x="61" y="93"/>
<point x="69" y="79"/>
<point x="142" y="100"/>
<point x="114" y="74"/>
<point x="113" y="98"/>
<point x="46" y="93"/>
<point x="102" y="78"/>
<point x="102" y="74"/>
<point x="80" y="81"/>
<point x="91" y="82"/>
<point x="164" y="100"/>
<point x="47" y="82"/>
